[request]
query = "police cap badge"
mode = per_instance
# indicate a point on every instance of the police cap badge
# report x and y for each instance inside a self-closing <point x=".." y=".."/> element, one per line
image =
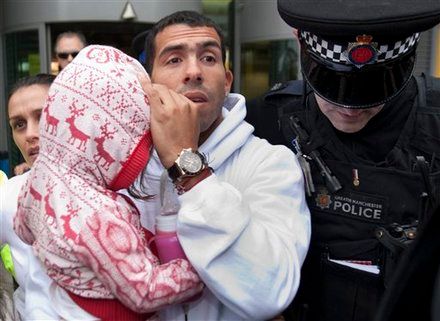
<point x="356" y="53"/>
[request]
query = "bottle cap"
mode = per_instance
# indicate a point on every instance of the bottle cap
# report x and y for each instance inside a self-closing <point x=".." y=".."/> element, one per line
<point x="166" y="223"/>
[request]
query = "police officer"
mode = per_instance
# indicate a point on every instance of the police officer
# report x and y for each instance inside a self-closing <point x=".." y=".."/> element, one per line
<point x="367" y="135"/>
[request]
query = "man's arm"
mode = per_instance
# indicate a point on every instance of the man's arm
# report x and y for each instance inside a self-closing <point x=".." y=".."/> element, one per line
<point x="246" y="230"/>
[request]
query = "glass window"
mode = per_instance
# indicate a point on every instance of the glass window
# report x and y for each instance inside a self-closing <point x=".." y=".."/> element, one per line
<point x="115" y="34"/>
<point x="22" y="56"/>
<point x="22" y="59"/>
<point x="266" y="63"/>
<point x="220" y="12"/>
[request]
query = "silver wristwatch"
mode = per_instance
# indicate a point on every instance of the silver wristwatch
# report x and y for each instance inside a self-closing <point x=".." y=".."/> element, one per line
<point x="188" y="163"/>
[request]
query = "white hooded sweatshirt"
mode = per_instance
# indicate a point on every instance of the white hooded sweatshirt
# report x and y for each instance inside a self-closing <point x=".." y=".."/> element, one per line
<point x="245" y="229"/>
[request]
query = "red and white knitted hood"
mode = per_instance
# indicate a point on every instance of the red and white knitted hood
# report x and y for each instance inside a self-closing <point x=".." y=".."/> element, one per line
<point x="94" y="140"/>
<point x="96" y="116"/>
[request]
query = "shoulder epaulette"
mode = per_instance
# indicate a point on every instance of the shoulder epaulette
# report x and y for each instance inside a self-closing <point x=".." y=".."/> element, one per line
<point x="292" y="87"/>
<point x="428" y="88"/>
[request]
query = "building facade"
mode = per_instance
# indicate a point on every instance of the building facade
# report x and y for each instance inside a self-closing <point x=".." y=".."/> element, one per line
<point x="261" y="48"/>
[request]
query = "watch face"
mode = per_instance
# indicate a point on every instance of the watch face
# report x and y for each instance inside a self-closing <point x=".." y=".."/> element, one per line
<point x="190" y="162"/>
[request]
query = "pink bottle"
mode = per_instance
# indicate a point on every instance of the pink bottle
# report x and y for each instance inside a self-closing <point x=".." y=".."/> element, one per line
<point x="167" y="243"/>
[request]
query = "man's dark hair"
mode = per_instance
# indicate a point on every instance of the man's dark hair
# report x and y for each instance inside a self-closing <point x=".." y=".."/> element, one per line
<point x="71" y="34"/>
<point x="189" y="18"/>
<point x="39" y="79"/>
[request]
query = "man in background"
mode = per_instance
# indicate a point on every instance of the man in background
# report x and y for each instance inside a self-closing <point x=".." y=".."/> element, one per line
<point x="67" y="46"/>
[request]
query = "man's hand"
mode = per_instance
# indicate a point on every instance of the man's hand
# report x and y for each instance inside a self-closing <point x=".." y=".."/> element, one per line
<point x="174" y="119"/>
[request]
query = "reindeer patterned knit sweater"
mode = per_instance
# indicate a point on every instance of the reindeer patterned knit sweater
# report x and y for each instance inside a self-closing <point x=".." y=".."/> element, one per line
<point x="94" y="140"/>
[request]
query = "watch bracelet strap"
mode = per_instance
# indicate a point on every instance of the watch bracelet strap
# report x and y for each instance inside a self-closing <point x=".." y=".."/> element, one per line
<point x="173" y="172"/>
<point x="185" y="184"/>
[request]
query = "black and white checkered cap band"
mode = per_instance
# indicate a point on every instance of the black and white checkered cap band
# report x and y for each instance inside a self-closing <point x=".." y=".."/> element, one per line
<point x="337" y="52"/>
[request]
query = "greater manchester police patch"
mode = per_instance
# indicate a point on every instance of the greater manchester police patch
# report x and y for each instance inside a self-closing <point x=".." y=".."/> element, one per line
<point x="354" y="205"/>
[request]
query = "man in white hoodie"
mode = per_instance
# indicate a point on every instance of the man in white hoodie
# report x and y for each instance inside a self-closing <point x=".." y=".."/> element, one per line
<point x="243" y="221"/>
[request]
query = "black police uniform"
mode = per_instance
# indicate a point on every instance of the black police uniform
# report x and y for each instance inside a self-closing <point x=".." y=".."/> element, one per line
<point x="382" y="183"/>
<point x="414" y="293"/>
<point x="368" y="191"/>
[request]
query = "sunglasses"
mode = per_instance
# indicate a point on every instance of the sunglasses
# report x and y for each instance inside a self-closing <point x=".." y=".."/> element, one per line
<point x="65" y="55"/>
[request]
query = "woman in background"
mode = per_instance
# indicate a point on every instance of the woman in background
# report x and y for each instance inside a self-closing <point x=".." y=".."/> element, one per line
<point x="25" y="103"/>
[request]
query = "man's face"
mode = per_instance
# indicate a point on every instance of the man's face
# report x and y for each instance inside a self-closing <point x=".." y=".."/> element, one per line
<point x="67" y="48"/>
<point x="344" y="119"/>
<point x="24" y="111"/>
<point x="189" y="61"/>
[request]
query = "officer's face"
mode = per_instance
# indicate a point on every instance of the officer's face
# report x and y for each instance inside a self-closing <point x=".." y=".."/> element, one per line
<point x="344" y="119"/>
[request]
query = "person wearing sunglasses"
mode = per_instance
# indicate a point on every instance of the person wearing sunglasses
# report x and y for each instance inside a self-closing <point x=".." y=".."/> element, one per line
<point x="67" y="46"/>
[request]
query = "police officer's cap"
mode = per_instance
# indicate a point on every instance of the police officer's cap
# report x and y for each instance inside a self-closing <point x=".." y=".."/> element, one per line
<point x="359" y="53"/>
